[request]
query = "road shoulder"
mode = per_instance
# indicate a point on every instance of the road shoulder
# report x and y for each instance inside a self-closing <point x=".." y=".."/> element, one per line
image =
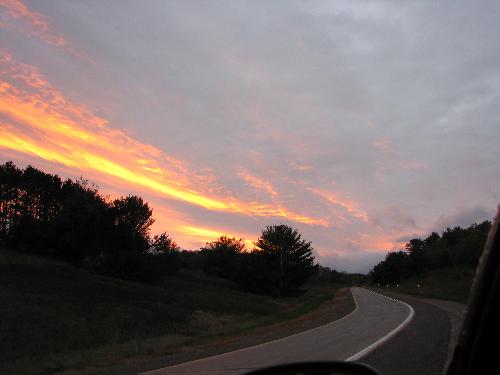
<point x="332" y="310"/>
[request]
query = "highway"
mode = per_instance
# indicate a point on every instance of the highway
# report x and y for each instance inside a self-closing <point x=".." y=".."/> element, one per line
<point x="375" y="321"/>
<point x="423" y="346"/>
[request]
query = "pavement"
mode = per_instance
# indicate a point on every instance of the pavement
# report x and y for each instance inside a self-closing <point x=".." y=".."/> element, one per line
<point x="456" y="312"/>
<point x="367" y="332"/>
<point x="424" y="346"/>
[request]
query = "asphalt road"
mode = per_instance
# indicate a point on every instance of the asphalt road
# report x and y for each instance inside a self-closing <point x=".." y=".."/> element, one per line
<point x="368" y="328"/>
<point x="422" y="347"/>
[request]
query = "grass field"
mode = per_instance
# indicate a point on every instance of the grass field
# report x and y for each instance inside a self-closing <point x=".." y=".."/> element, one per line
<point x="54" y="316"/>
<point x="450" y="283"/>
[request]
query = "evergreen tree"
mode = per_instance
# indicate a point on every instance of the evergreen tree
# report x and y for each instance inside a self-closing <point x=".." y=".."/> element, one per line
<point x="290" y="257"/>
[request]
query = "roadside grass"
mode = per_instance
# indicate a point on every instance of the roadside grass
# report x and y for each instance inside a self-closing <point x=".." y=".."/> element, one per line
<point x="449" y="283"/>
<point x="55" y="317"/>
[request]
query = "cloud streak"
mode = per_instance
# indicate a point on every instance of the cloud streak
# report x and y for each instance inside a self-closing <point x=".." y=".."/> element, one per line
<point x="54" y="129"/>
<point x="36" y="25"/>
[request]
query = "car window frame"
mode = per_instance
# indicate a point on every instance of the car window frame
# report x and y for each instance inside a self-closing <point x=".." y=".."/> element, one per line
<point x="473" y="353"/>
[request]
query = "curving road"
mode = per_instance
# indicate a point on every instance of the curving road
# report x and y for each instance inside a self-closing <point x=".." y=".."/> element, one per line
<point x="375" y="319"/>
<point x="423" y="346"/>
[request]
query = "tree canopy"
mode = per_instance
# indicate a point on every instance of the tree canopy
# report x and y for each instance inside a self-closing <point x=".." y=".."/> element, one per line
<point x="69" y="220"/>
<point x="219" y="256"/>
<point x="454" y="246"/>
<point x="290" y="257"/>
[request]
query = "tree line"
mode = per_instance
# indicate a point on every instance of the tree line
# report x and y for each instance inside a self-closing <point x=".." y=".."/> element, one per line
<point x="280" y="262"/>
<point x="453" y="247"/>
<point x="71" y="221"/>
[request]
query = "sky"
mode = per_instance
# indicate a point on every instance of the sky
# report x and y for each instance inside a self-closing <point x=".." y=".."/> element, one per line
<point x="361" y="124"/>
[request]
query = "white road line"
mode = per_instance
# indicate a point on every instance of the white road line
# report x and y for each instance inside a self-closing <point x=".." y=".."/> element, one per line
<point x="380" y="341"/>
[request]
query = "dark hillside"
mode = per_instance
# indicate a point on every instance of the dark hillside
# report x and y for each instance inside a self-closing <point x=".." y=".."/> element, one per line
<point x="55" y="315"/>
<point x="451" y="283"/>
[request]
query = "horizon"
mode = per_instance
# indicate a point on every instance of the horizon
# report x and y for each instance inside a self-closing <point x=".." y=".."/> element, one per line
<point x="361" y="126"/>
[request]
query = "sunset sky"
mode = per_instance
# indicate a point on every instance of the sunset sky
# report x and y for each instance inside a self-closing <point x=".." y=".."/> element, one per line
<point x="361" y="124"/>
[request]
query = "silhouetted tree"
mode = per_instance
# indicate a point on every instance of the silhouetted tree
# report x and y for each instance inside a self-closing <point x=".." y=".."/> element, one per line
<point x="455" y="246"/>
<point x="326" y="275"/>
<point x="134" y="214"/>
<point x="71" y="221"/>
<point x="433" y="238"/>
<point x="290" y="258"/>
<point x="219" y="256"/>
<point x="82" y="231"/>
<point x="164" y="257"/>
<point x="10" y="202"/>
<point x="392" y="269"/>
<point x="416" y="257"/>
<point x="162" y="243"/>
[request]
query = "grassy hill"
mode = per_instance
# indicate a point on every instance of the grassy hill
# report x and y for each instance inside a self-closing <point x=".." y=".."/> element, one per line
<point x="54" y="316"/>
<point x="451" y="283"/>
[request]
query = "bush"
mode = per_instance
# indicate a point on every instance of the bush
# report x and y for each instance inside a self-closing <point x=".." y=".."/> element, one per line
<point x="255" y="274"/>
<point x="219" y="256"/>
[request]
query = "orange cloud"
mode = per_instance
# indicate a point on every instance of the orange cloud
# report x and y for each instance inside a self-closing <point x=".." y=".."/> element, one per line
<point x="301" y="167"/>
<point x="257" y="183"/>
<point x="36" y="24"/>
<point x="36" y="119"/>
<point x="190" y="235"/>
<point x="377" y="242"/>
<point x="351" y="207"/>
<point x="208" y="235"/>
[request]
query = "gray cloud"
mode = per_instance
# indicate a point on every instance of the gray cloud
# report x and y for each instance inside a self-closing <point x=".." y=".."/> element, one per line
<point x="359" y="262"/>
<point x="464" y="216"/>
